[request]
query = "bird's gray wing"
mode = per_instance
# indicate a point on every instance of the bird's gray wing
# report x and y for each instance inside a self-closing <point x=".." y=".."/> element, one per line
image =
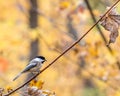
<point x="29" y="66"/>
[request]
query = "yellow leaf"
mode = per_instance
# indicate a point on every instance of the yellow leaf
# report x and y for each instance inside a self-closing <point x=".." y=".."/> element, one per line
<point x="9" y="89"/>
<point x="38" y="84"/>
<point x="64" y="4"/>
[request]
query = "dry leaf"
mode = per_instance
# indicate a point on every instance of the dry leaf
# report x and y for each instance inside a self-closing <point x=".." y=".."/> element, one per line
<point x="1" y="91"/>
<point x="111" y="23"/>
<point x="35" y="91"/>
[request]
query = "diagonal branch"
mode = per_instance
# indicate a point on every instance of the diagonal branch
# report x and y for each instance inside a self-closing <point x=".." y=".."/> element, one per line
<point x="65" y="51"/>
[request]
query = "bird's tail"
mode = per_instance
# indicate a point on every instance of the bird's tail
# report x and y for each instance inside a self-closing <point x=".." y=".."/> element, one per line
<point x="16" y="76"/>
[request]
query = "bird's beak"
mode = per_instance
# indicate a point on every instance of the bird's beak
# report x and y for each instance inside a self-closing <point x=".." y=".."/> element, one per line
<point x="45" y="60"/>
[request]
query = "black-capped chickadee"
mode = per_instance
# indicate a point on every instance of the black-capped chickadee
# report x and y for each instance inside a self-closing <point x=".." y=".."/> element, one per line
<point x="34" y="66"/>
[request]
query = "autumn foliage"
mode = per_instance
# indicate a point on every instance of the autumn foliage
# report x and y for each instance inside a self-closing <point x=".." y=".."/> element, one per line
<point x="88" y="68"/>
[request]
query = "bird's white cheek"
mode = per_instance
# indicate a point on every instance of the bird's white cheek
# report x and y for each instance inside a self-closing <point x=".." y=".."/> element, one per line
<point x="39" y="60"/>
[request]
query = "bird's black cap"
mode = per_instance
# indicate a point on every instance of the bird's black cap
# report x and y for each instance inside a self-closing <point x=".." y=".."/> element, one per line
<point x="41" y="57"/>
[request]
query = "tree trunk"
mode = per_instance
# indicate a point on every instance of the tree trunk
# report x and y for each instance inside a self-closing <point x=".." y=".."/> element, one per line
<point x="33" y="23"/>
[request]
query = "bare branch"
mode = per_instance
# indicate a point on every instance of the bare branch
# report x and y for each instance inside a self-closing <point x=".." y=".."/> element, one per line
<point x="97" y="26"/>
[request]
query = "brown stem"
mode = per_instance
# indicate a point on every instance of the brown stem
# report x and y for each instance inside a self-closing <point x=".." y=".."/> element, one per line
<point x="65" y="51"/>
<point x="97" y="26"/>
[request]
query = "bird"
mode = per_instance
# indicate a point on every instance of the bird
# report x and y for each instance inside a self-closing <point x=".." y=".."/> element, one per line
<point x="33" y="66"/>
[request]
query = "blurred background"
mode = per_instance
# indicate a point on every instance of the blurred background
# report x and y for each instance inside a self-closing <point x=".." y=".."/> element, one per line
<point x="47" y="27"/>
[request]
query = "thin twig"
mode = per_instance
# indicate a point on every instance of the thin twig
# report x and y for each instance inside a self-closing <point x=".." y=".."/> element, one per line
<point x="100" y="31"/>
<point x="97" y="26"/>
<point x="76" y="42"/>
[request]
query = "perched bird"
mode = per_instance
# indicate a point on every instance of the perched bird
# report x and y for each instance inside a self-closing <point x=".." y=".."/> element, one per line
<point x="34" y="66"/>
